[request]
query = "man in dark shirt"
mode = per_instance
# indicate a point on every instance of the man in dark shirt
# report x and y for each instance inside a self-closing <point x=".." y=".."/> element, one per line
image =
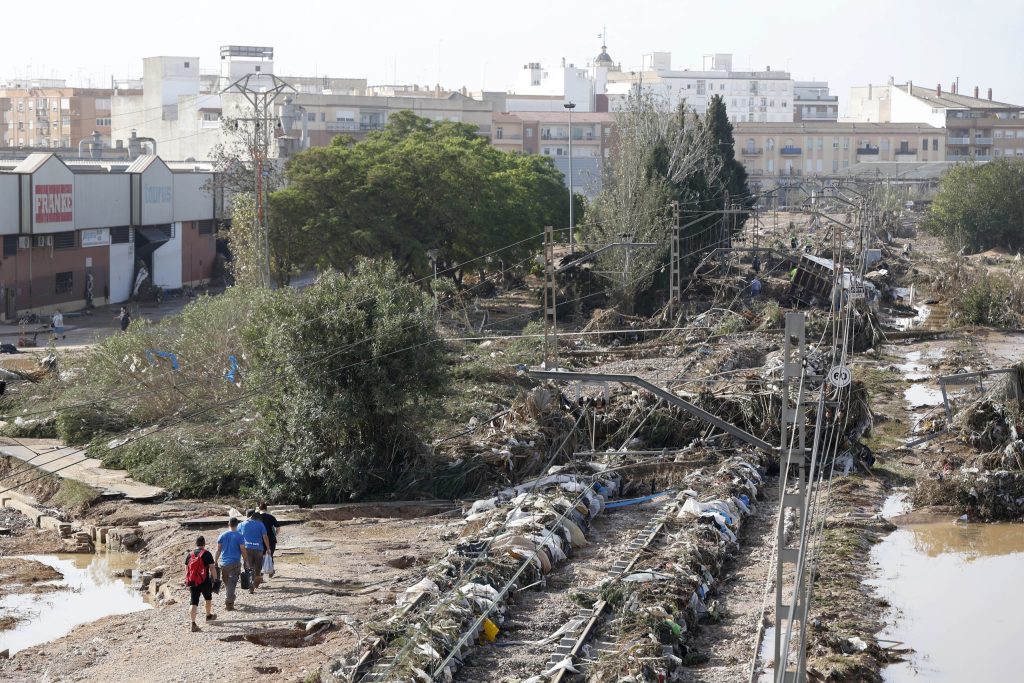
<point x="201" y="584"/>
<point x="271" y="523"/>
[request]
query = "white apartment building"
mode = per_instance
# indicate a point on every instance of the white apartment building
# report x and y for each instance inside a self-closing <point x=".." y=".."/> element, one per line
<point x="750" y="96"/>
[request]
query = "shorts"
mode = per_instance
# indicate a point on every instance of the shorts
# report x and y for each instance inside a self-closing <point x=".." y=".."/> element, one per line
<point x="59" y="330"/>
<point x="205" y="588"/>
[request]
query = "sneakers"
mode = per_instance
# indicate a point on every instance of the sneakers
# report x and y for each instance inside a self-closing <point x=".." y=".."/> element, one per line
<point x="195" y="627"/>
<point x="229" y="607"/>
<point x="211" y="617"/>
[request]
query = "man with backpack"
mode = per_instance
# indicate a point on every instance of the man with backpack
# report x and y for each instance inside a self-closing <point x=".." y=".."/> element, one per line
<point x="255" y="537"/>
<point x="230" y="551"/>
<point x="197" y="577"/>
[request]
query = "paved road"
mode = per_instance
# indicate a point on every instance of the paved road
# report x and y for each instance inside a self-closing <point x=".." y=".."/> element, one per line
<point x="52" y="456"/>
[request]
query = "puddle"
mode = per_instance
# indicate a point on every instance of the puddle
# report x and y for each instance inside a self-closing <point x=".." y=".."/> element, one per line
<point x="922" y="396"/>
<point x="1004" y="348"/>
<point x="945" y="583"/>
<point x="87" y="592"/>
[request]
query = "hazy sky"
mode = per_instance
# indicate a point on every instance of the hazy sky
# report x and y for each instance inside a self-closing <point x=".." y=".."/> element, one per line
<point x="484" y="44"/>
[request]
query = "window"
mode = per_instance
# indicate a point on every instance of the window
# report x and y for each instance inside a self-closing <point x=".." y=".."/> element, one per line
<point x="821" y="143"/>
<point x="64" y="283"/>
<point x="997" y="133"/>
<point x="187" y="65"/>
<point x="783" y="104"/>
<point x="311" y="116"/>
<point x="207" y="116"/>
<point x="205" y="227"/>
<point x="935" y="144"/>
<point x="846" y="144"/>
<point x="65" y="121"/>
<point x="257" y="68"/>
<point x="323" y="116"/>
<point x="529" y="132"/>
<point x="818" y="163"/>
<point x="770" y="165"/>
<point x="10" y="245"/>
<point x="105" y="121"/>
<point x="700" y="88"/>
<point x="835" y="143"/>
<point x="64" y="240"/>
<point x="547" y="151"/>
<point x="120" y="235"/>
<point x="924" y="144"/>
<point x="770" y="144"/>
<point x="499" y="133"/>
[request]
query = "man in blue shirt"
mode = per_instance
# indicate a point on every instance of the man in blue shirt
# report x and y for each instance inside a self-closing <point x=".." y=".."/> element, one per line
<point x="255" y="536"/>
<point x="230" y="550"/>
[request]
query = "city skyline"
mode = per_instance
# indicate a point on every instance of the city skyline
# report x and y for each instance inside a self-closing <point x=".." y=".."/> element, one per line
<point x="457" y="46"/>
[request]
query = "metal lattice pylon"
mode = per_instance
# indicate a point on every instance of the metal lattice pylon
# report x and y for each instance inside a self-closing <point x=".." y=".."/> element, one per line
<point x="550" y="302"/>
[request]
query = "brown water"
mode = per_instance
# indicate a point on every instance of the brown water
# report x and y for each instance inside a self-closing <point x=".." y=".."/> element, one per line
<point x="87" y="592"/>
<point x="956" y="595"/>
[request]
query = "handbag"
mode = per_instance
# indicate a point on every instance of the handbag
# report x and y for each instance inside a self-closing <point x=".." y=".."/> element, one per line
<point x="246" y="579"/>
<point x="268" y="564"/>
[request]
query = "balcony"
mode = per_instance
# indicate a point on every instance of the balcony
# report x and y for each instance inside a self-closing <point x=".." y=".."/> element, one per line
<point x="982" y="141"/>
<point x="515" y="137"/>
<point x="789" y="172"/>
<point x="983" y="157"/>
<point x="958" y="141"/>
<point x="790" y="151"/>
<point x="554" y="136"/>
<point x="863" y="151"/>
<point x="751" y="151"/>
<point x="906" y="151"/>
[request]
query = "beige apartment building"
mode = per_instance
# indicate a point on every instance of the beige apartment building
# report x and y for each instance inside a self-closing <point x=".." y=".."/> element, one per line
<point x="547" y="133"/>
<point x="979" y="128"/>
<point x="825" y="148"/>
<point x="50" y="114"/>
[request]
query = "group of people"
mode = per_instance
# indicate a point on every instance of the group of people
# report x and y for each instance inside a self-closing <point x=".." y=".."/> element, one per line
<point x="246" y="547"/>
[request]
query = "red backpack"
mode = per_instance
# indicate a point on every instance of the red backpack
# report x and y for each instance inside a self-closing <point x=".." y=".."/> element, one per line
<point x="195" y="570"/>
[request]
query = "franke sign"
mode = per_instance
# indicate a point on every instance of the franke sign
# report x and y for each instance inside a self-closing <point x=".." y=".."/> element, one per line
<point x="53" y="203"/>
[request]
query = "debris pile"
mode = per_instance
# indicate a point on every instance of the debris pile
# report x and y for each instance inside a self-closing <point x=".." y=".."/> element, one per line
<point x="664" y="598"/>
<point x="509" y="543"/>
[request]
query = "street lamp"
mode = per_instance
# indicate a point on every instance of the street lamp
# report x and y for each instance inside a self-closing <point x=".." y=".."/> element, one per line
<point x="569" y="106"/>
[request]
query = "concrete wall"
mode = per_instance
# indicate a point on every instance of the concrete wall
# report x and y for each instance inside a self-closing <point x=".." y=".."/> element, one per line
<point x="167" y="262"/>
<point x="192" y="202"/>
<point x="122" y="271"/>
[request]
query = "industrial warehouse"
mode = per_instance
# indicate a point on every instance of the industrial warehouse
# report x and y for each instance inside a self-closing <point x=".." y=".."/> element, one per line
<point x="81" y="233"/>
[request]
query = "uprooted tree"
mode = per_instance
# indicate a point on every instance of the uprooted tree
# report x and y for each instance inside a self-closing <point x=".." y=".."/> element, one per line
<point x="980" y="206"/>
<point x="344" y="367"/>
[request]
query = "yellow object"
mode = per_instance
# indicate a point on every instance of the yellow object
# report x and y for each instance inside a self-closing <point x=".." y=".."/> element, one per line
<point x="490" y="631"/>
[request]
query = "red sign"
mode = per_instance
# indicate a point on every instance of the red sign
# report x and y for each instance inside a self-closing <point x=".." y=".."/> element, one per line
<point x="53" y="203"/>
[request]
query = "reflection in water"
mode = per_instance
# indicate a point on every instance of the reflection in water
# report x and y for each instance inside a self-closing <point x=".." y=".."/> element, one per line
<point x="955" y="594"/>
<point x="88" y="592"/>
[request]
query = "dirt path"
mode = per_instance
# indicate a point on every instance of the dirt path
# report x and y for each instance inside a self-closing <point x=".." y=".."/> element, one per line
<point x="336" y="569"/>
<point x="539" y="613"/>
<point x="730" y="643"/>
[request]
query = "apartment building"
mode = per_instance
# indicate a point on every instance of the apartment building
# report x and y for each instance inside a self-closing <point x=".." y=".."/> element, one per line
<point x="750" y="96"/>
<point x="547" y="133"/>
<point x="181" y="107"/>
<point x="813" y="102"/>
<point x="50" y="114"/>
<point x="978" y="128"/>
<point x="75" y="231"/>
<point x="775" y="154"/>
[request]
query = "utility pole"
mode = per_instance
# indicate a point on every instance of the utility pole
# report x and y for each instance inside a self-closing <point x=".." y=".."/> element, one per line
<point x="550" y="303"/>
<point x="675" y="293"/>
<point x="569" y="106"/>
<point x="260" y="91"/>
<point x="792" y="460"/>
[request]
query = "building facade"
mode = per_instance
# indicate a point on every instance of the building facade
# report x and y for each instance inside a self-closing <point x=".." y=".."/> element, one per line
<point x="49" y="114"/>
<point x="776" y="154"/>
<point x="978" y="128"/>
<point x="813" y="102"/>
<point x="79" y="232"/>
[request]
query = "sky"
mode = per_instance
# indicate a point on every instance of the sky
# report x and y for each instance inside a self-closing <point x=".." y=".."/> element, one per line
<point x="484" y="44"/>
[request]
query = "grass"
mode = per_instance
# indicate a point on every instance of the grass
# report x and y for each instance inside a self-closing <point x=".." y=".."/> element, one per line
<point x="73" y="495"/>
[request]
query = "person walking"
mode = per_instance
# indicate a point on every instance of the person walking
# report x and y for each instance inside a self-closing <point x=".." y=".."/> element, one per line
<point x="271" y="525"/>
<point x="755" y="287"/>
<point x="57" y="322"/>
<point x="199" y="581"/>
<point x="125" y="317"/>
<point x="255" y="536"/>
<point x="230" y="551"/>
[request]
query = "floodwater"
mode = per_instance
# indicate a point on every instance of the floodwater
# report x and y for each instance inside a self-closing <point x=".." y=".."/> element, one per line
<point x="955" y="596"/>
<point x="89" y="591"/>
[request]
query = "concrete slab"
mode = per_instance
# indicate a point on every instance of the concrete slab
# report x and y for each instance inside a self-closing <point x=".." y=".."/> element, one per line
<point x="69" y="462"/>
<point x="214" y="522"/>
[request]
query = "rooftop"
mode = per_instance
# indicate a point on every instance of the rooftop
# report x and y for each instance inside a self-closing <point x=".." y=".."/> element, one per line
<point x="950" y="101"/>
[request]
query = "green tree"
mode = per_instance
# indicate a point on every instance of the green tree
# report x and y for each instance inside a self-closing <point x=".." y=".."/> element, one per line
<point x="344" y="368"/>
<point x="980" y="206"/>
<point x="732" y="176"/>
<point x="417" y="186"/>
